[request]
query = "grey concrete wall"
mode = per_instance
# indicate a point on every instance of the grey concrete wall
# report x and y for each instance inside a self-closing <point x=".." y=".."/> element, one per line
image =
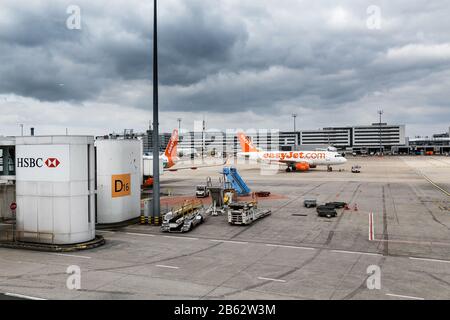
<point x="7" y="196"/>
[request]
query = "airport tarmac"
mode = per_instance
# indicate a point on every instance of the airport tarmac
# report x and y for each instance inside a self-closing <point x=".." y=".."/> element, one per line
<point x="291" y="254"/>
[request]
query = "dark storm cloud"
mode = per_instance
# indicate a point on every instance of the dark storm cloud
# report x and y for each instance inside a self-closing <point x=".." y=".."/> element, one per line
<point x="228" y="55"/>
<point x="41" y="53"/>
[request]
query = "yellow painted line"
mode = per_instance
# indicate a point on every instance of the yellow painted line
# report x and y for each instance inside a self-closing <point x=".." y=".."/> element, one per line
<point x="430" y="260"/>
<point x="435" y="185"/>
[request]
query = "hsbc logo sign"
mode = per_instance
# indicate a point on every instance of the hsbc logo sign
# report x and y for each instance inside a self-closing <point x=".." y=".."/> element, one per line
<point x="37" y="162"/>
<point x="52" y="162"/>
<point x="47" y="163"/>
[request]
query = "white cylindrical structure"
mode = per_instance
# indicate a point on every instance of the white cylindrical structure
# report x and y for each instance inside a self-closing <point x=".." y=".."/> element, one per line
<point x="119" y="179"/>
<point x="55" y="187"/>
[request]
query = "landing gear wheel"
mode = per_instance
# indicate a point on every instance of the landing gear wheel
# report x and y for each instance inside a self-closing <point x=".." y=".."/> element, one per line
<point x="329" y="169"/>
<point x="288" y="169"/>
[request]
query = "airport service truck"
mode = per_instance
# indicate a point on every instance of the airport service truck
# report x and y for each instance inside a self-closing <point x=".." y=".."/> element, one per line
<point x="201" y="191"/>
<point x="185" y="218"/>
<point x="244" y="213"/>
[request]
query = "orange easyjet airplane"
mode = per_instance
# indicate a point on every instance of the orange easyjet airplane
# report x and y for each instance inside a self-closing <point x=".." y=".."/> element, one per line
<point x="294" y="160"/>
<point x="169" y="158"/>
<point x="170" y="154"/>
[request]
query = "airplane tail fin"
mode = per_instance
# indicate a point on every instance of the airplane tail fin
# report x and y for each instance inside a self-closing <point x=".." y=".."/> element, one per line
<point x="246" y="144"/>
<point x="171" y="150"/>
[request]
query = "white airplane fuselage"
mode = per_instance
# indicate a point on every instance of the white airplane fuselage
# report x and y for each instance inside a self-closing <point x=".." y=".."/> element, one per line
<point x="313" y="158"/>
<point x="162" y="157"/>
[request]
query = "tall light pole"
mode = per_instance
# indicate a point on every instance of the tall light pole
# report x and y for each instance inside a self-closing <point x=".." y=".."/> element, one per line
<point x="294" y="115"/>
<point x="179" y="128"/>
<point x="380" y="113"/>
<point x="203" y="137"/>
<point x="156" y="189"/>
<point x="21" y="129"/>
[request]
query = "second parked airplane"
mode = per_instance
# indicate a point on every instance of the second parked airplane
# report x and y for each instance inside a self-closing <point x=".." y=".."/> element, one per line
<point x="294" y="160"/>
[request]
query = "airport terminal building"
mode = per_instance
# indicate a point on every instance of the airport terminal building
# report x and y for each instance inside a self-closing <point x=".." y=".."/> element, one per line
<point x="359" y="139"/>
<point x="437" y="143"/>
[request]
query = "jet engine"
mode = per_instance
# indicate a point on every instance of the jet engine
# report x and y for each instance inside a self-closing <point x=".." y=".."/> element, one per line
<point x="302" y="166"/>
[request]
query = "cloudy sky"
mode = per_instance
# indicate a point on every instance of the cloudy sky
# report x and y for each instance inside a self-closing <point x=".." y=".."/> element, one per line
<point x="238" y="63"/>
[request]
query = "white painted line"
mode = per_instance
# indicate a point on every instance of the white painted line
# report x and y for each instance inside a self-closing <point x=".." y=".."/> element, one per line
<point x="105" y="231"/>
<point x="431" y="260"/>
<point x="139" y="234"/>
<point x="169" y="267"/>
<point x="289" y="247"/>
<point x="16" y="295"/>
<point x="357" y="252"/>
<point x="70" y="255"/>
<point x="270" y="279"/>
<point x="371" y="227"/>
<point x="134" y="229"/>
<point x="406" y="297"/>
<point x="229" y="241"/>
<point x="187" y="238"/>
<point x="428" y="243"/>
